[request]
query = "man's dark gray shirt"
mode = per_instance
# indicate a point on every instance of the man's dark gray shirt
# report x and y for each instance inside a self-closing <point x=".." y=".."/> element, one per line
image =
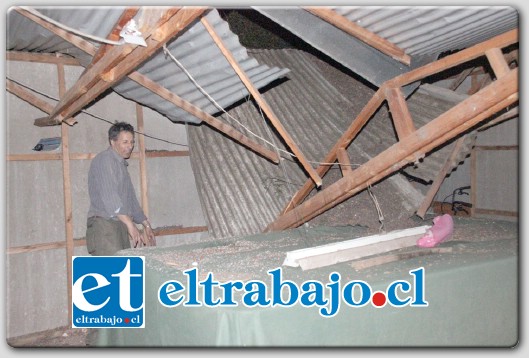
<point x="110" y="188"/>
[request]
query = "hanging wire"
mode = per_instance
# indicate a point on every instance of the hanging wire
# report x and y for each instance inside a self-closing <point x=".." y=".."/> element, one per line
<point x="94" y="115"/>
<point x="205" y="93"/>
<point x="377" y="206"/>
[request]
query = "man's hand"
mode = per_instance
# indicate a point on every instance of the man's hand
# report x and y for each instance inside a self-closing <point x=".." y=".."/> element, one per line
<point x="134" y="234"/>
<point x="148" y="234"/>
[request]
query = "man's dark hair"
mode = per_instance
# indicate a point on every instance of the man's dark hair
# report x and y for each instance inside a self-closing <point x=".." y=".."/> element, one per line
<point x="118" y="127"/>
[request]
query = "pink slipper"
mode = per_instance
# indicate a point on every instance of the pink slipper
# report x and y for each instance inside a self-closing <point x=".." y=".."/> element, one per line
<point x="442" y="229"/>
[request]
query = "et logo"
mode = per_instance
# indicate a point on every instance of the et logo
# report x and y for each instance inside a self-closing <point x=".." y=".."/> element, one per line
<point x="108" y="291"/>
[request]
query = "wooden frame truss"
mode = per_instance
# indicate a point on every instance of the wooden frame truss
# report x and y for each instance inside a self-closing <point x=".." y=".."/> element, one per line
<point x="110" y="75"/>
<point x="413" y="143"/>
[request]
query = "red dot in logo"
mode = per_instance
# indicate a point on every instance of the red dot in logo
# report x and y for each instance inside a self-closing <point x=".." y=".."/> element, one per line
<point x="378" y="299"/>
<point x="127" y="320"/>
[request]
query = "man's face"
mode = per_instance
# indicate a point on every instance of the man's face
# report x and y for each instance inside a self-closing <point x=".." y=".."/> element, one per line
<point x="123" y="144"/>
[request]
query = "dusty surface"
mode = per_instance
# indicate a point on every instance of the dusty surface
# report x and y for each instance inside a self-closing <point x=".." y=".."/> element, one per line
<point x="473" y="239"/>
<point x="61" y="337"/>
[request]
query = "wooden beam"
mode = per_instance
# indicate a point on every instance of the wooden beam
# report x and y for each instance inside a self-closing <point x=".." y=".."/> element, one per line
<point x="143" y="167"/>
<point x="479" y="211"/>
<point x="448" y="165"/>
<point x="384" y="259"/>
<point x="399" y="112"/>
<point x="262" y="103"/>
<point x="121" y="60"/>
<point x="27" y="96"/>
<point x="497" y="62"/>
<point x="500" y="41"/>
<point x="178" y="230"/>
<point x="364" y="35"/>
<point x="161" y="231"/>
<point x="512" y="113"/>
<point x="42" y="247"/>
<point x="344" y="141"/>
<point x="345" y="163"/>
<point x="33" y="157"/>
<point x="493" y="98"/>
<point x="206" y="117"/>
<point x="88" y="156"/>
<point x="331" y="254"/>
<point x="166" y="153"/>
<point x="496" y="147"/>
<point x="35" y="101"/>
<point x="125" y="17"/>
<point x="67" y="194"/>
<point x="41" y="58"/>
<point x="71" y="38"/>
<point x="460" y="78"/>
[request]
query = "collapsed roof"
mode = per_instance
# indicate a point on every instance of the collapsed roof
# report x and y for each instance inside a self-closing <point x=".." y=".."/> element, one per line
<point x="193" y="66"/>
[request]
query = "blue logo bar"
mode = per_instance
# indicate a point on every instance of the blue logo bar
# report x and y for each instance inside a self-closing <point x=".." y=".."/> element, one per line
<point x="108" y="291"/>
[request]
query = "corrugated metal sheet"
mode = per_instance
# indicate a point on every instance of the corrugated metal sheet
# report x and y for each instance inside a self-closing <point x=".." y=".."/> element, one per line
<point x="354" y="54"/>
<point x="422" y="30"/>
<point x="242" y="193"/>
<point x="194" y="48"/>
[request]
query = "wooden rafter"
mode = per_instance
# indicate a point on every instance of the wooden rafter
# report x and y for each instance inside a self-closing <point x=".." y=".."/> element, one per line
<point x="361" y="33"/>
<point x="41" y="58"/>
<point x="206" y="117"/>
<point x="498" y="95"/>
<point x="27" y="96"/>
<point x="90" y="49"/>
<point x="120" y="61"/>
<point x="262" y="103"/>
<point x="125" y="17"/>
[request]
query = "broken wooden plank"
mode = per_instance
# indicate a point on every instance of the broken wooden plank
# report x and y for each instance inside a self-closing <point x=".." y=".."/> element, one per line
<point x="364" y="35"/>
<point x="262" y="103"/>
<point x="384" y="259"/>
<point x="334" y="253"/>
